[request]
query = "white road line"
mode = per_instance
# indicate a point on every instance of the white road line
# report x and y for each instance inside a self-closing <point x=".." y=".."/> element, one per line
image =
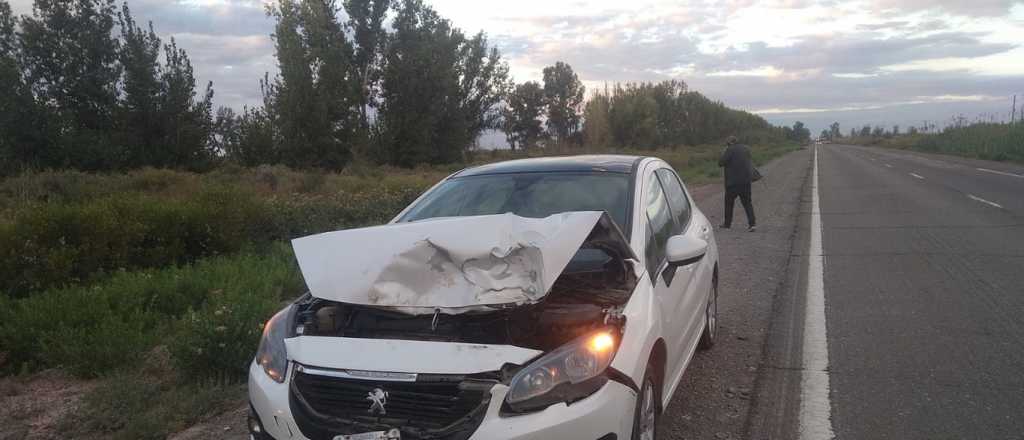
<point x="890" y="166"/>
<point x="979" y="199"/>
<point x="1001" y="173"/>
<point x="815" y="406"/>
<point x="917" y="176"/>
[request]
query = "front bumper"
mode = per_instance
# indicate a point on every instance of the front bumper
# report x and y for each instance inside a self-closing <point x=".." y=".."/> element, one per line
<point x="609" y="411"/>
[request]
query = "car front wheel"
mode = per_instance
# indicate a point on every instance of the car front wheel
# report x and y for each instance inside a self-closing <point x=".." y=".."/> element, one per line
<point x="707" y="339"/>
<point x="645" y="423"/>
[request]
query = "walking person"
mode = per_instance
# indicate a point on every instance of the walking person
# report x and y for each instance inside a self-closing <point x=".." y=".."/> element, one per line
<point x="739" y="174"/>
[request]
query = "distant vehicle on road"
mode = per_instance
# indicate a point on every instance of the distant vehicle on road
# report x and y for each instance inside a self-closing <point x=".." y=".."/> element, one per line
<point x="557" y="298"/>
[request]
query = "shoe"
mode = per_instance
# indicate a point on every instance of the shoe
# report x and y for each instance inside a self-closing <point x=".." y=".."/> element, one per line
<point x="723" y="226"/>
<point x="752" y="229"/>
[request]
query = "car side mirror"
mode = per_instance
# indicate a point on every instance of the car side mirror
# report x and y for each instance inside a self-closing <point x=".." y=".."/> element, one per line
<point x="682" y="250"/>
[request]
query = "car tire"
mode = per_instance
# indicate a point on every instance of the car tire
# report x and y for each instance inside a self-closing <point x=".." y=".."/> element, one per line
<point x="647" y="415"/>
<point x="707" y="338"/>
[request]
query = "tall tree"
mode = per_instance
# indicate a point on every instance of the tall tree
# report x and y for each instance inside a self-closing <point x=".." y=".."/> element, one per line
<point x="634" y="116"/>
<point x="316" y="100"/>
<point x="439" y="90"/>
<point x="70" y="58"/>
<point x="522" y="124"/>
<point x="139" y="55"/>
<point x="563" y="93"/>
<point x="186" y="117"/>
<point x="597" y="130"/>
<point x="834" y="132"/>
<point x="21" y="131"/>
<point x="165" y="123"/>
<point x="252" y="138"/>
<point x="800" y="132"/>
<point x="483" y="84"/>
<point x="365" y="21"/>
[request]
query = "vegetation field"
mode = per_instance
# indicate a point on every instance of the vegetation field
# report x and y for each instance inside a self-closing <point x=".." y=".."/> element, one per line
<point x="999" y="142"/>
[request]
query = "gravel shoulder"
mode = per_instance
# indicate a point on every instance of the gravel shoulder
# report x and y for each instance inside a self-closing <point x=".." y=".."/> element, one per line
<point x="718" y="391"/>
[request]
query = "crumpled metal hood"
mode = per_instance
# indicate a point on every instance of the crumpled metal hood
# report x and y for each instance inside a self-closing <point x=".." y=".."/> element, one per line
<point x="453" y="264"/>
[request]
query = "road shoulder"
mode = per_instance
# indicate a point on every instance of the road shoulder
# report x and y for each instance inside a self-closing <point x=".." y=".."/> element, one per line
<point x="720" y="387"/>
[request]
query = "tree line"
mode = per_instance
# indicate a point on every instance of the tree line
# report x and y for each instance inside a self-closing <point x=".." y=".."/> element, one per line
<point x="92" y="89"/>
<point x="77" y="96"/>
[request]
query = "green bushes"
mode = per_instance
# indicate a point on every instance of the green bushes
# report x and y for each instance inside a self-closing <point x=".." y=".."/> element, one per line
<point x="65" y="237"/>
<point x="209" y="313"/>
<point x="54" y="245"/>
<point x="1001" y="142"/>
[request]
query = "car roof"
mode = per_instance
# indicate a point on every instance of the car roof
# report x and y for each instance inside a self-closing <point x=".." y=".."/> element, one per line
<point x="613" y="163"/>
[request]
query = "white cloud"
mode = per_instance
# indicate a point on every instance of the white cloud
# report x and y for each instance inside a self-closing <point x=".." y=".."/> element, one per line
<point x="855" y="75"/>
<point x="766" y="71"/>
<point x="1009" y="63"/>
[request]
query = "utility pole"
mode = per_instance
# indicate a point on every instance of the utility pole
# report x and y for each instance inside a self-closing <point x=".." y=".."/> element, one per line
<point x="1013" y="114"/>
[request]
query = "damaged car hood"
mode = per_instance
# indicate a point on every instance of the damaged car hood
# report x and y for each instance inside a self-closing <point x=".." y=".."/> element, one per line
<point x="449" y="265"/>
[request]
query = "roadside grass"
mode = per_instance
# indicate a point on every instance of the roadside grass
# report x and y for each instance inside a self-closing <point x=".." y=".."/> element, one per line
<point x="209" y="313"/>
<point x="996" y="142"/>
<point x="141" y="405"/>
<point x="158" y="282"/>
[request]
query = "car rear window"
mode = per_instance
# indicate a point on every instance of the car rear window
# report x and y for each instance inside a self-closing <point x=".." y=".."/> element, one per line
<point x="534" y="195"/>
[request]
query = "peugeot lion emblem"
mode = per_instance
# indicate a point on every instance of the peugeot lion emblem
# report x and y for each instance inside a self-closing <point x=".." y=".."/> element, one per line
<point x="378" y="398"/>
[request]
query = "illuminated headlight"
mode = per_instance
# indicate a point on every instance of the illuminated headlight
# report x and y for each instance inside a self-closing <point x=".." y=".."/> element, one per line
<point x="567" y="374"/>
<point x="271" y="354"/>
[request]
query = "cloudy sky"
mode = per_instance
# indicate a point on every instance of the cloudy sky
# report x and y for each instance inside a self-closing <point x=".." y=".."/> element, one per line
<point x="856" y="62"/>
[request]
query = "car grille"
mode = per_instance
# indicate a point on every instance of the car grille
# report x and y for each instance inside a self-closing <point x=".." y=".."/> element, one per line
<point x="432" y="406"/>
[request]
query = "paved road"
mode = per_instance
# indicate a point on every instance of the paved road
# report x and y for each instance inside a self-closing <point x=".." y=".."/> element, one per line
<point x="924" y="301"/>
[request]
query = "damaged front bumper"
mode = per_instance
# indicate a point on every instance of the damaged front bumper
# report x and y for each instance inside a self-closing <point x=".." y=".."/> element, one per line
<point x="608" y="413"/>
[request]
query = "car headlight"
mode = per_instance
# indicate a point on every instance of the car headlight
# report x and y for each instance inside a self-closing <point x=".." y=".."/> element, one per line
<point x="567" y="374"/>
<point x="271" y="354"/>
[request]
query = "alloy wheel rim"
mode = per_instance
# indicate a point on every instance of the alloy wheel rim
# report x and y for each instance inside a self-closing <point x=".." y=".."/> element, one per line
<point x="647" y="413"/>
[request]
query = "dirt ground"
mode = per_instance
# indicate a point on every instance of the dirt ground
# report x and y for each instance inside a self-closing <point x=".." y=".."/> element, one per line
<point x="229" y="425"/>
<point x="32" y="406"/>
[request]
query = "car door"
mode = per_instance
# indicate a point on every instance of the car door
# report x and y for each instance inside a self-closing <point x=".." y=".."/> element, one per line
<point x="694" y="279"/>
<point x="659" y="225"/>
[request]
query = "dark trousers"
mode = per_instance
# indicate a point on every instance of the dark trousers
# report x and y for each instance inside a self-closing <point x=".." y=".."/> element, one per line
<point x="743" y="192"/>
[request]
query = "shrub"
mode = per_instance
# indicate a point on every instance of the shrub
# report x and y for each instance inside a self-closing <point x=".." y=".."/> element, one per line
<point x="60" y="244"/>
<point x="218" y="339"/>
<point x="91" y="330"/>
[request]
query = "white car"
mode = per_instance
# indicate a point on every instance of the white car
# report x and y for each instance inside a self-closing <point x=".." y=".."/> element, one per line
<point x="553" y="298"/>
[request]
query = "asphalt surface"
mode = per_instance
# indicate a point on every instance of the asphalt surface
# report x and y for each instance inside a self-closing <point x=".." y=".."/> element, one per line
<point x="924" y="299"/>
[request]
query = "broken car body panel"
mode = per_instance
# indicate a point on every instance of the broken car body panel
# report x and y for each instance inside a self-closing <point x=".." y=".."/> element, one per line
<point x="453" y="264"/>
<point x="369" y="326"/>
<point x="377" y="355"/>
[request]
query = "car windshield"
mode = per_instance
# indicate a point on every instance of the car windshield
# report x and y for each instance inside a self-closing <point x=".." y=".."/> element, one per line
<point x="534" y="195"/>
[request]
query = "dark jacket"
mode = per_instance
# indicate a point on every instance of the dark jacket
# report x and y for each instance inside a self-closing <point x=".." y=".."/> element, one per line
<point x="738" y="165"/>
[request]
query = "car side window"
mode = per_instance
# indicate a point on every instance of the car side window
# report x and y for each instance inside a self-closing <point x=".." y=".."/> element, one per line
<point x="659" y="224"/>
<point x="677" y="199"/>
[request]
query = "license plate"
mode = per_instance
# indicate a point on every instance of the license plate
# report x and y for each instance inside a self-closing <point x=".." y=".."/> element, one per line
<point x="393" y="434"/>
